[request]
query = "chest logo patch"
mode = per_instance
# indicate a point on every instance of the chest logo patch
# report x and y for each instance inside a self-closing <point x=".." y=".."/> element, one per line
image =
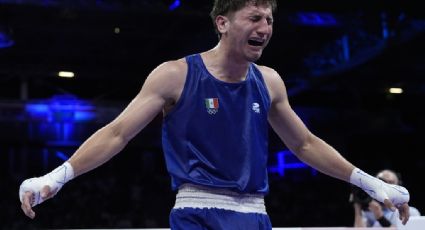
<point x="212" y="105"/>
<point x="256" y="107"/>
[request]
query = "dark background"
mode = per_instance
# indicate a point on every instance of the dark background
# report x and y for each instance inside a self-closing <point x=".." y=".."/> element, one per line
<point x="337" y="58"/>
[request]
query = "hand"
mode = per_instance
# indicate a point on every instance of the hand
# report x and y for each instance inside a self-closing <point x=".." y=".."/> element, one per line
<point x="398" y="198"/>
<point x="28" y="199"/>
<point x="38" y="189"/>
<point x="393" y="196"/>
<point x="34" y="191"/>
<point x="403" y="209"/>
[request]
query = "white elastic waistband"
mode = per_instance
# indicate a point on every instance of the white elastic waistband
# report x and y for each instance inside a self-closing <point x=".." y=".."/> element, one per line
<point x="194" y="196"/>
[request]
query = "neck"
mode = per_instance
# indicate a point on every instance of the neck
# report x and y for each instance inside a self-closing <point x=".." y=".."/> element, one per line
<point x="224" y="65"/>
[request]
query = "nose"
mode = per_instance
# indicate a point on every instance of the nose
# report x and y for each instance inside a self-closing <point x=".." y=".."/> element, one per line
<point x="264" y="27"/>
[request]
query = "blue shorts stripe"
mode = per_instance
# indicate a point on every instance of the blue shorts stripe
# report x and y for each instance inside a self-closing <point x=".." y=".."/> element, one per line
<point x="217" y="219"/>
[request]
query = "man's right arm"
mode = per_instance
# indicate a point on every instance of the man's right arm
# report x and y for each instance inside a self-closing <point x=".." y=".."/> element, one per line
<point x="161" y="88"/>
<point x="158" y="90"/>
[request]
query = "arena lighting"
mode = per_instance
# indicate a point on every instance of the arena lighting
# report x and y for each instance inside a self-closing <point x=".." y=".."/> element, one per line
<point x="58" y="120"/>
<point x="5" y="40"/>
<point x="174" y="5"/>
<point x="286" y="160"/>
<point x="60" y="109"/>
<point x="318" y="19"/>
<point x="66" y="74"/>
<point x="395" y="90"/>
<point x="61" y="156"/>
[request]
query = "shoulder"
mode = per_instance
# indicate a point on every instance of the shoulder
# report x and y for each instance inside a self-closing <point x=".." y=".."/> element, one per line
<point x="167" y="79"/>
<point x="168" y="73"/>
<point x="173" y="68"/>
<point x="267" y="72"/>
<point x="274" y="82"/>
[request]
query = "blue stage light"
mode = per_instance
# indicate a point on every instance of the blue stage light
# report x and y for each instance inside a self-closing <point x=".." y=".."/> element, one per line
<point x="61" y="109"/>
<point x="319" y="19"/>
<point x="57" y="121"/>
<point x="5" y="40"/>
<point x="61" y="156"/>
<point x="174" y="5"/>
<point x="286" y="160"/>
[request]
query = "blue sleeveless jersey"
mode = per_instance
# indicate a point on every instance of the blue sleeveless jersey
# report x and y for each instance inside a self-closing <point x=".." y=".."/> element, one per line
<point x="217" y="133"/>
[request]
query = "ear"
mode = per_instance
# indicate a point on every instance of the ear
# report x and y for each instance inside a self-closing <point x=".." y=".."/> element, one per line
<point x="222" y="23"/>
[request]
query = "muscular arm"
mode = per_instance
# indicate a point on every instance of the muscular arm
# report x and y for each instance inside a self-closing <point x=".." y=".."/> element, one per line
<point x="160" y="89"/>
<point x="304" y="144"/>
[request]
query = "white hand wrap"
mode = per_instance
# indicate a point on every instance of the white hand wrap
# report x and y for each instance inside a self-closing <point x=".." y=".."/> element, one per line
<point x="378" y="189"/>
<point x="55" y="180"/>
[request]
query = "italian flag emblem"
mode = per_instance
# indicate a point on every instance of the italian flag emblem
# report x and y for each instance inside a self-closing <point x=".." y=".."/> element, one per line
<point x="212" y="105"/>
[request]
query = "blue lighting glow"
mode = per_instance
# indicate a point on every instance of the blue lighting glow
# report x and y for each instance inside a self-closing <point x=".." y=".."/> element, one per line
<point x="5" y="40"/>
<point x="60" y="109"/>
<point x="174" y="5"/>
<point x="58" y="121"/>
<point x="315" y="19"/>
<point x="286" y="160"/>
<point x="37" y="108"/>
<point x="61" y="156"/>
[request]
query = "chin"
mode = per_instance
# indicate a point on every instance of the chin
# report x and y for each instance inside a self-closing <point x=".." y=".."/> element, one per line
<point x="253" y="58"/>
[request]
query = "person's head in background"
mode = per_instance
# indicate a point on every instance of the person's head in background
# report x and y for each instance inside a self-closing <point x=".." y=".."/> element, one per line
<point x="389" y="176"/>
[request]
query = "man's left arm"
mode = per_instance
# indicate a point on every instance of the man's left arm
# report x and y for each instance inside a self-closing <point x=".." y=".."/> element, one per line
<point x="318" y="154"/>
<point x="297" y="137"/>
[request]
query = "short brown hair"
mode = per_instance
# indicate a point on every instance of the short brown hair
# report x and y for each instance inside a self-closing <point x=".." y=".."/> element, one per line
<point x="224" y="7"/>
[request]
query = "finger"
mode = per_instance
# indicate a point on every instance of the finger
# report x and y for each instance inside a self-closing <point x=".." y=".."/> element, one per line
<point x="404" y="213"/>
<point x="389" y="205"/>
<point x="45" y="192"/>
<point x="26" y="204"/>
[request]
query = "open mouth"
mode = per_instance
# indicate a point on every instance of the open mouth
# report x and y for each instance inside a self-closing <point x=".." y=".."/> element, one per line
<point x="253" y="42"/>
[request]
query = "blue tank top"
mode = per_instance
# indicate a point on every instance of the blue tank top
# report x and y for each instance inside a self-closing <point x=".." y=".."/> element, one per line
<point x="217" y="133"/>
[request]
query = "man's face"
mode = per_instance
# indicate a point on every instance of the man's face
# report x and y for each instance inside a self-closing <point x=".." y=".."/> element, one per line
<point x="250" y="30"/>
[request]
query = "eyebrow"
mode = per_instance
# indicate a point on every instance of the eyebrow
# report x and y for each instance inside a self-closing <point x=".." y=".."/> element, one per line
<point x="259" y="14"/>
